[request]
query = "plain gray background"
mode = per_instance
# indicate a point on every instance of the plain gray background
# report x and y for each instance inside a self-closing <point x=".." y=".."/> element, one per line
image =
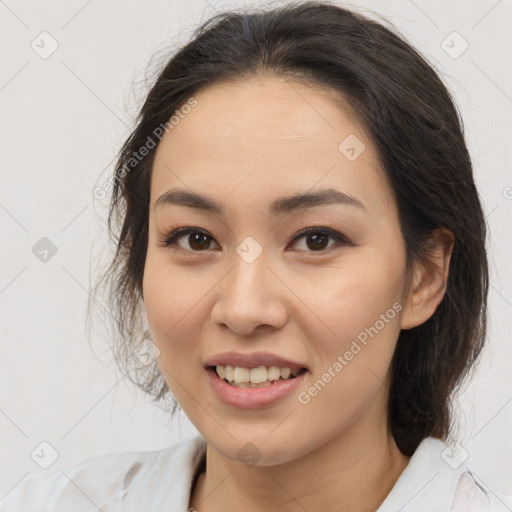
<point x="65" y="114"/>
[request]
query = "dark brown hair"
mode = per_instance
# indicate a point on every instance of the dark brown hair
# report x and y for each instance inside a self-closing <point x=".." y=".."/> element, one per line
<point x="417" y="131"/>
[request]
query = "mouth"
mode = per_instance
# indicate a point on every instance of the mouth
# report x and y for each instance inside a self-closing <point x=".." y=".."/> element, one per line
<point x="262" y="376"/>
<point x="234" y="385"/>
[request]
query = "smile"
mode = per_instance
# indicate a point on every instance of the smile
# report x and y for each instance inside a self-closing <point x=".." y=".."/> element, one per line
<point x="255" y="377"/>
<point x="234" y="385"/>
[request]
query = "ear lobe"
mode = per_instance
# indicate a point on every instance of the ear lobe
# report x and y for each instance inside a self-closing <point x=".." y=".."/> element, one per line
<point x="429" y="280"/>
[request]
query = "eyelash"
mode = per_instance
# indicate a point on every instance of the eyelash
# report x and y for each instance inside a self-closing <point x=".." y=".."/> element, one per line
<point x="172" y="237"/>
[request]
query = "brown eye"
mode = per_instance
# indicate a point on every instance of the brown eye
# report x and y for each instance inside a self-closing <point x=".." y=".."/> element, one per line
<point x="197" y="240"/>
<point x="317" y="239"/>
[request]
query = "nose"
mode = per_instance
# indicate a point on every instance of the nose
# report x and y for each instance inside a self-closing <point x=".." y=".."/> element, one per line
<point x="250" y="298"/>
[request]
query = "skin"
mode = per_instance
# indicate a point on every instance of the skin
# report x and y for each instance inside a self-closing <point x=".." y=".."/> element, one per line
<point x="245" y="144"/>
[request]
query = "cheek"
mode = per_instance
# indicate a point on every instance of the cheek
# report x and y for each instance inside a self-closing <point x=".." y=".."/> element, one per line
<point x="359" y="305"/>
<point x="171" y="299"/>
<point x="356" y="300"/>
<point x="174" y="304"/>
<point x="355" y="342"/>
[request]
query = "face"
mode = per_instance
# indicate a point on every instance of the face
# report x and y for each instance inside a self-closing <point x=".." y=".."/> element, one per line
<point x="247" y="279"/>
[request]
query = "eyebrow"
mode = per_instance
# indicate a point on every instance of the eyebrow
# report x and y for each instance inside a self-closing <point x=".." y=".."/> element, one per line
<point x="280" y="206"/>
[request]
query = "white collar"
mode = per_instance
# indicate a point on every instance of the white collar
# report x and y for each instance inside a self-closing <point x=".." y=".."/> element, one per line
<point x="428" y="483"/>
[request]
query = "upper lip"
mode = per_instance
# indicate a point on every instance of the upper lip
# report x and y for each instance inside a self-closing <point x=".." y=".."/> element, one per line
<point x="252" y="360"/>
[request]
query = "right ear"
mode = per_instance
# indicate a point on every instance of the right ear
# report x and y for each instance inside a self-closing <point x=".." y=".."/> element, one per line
<point x="429" y="281"/>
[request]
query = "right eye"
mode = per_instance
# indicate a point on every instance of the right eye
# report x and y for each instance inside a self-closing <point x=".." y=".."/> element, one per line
<point x="197" y="240"/>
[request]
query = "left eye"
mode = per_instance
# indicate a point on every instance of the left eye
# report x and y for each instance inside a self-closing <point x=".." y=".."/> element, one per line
<point x="199" y="240"/>
<point x="316" y="238"/>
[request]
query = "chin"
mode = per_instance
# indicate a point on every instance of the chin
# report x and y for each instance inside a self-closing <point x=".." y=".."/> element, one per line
<point x="256" y="447"/>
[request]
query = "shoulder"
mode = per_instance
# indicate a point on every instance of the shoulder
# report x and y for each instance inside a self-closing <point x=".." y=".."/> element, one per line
<point x="472" y="495"/>
<point x="101" y="482"/>
<point x="438" y="479"/>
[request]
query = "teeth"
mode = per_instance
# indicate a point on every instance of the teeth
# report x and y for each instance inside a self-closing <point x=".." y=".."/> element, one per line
<point x="229" y="372"/>
<point x="241" y="374"/>
<point x="250" y="384"/>
<point x="253" y="377"/>
<point x="273" y="373"/>
<point x="258" y="375"/>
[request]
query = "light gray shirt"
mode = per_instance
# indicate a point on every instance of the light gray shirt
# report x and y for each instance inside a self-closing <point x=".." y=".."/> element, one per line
<point x="161" y="481"/>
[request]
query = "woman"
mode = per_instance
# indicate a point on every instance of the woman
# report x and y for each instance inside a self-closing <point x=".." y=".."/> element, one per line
<point x="297" y="222"/>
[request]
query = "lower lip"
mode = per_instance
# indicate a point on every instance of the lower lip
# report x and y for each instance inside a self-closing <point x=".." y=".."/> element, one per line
<point x="253" y="398"/>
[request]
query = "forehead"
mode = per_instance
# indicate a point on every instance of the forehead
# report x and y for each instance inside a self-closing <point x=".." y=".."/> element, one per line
<point x="263" y="137"/>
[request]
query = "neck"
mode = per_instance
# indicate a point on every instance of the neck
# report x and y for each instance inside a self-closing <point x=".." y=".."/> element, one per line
<point x="348" y="473"/>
